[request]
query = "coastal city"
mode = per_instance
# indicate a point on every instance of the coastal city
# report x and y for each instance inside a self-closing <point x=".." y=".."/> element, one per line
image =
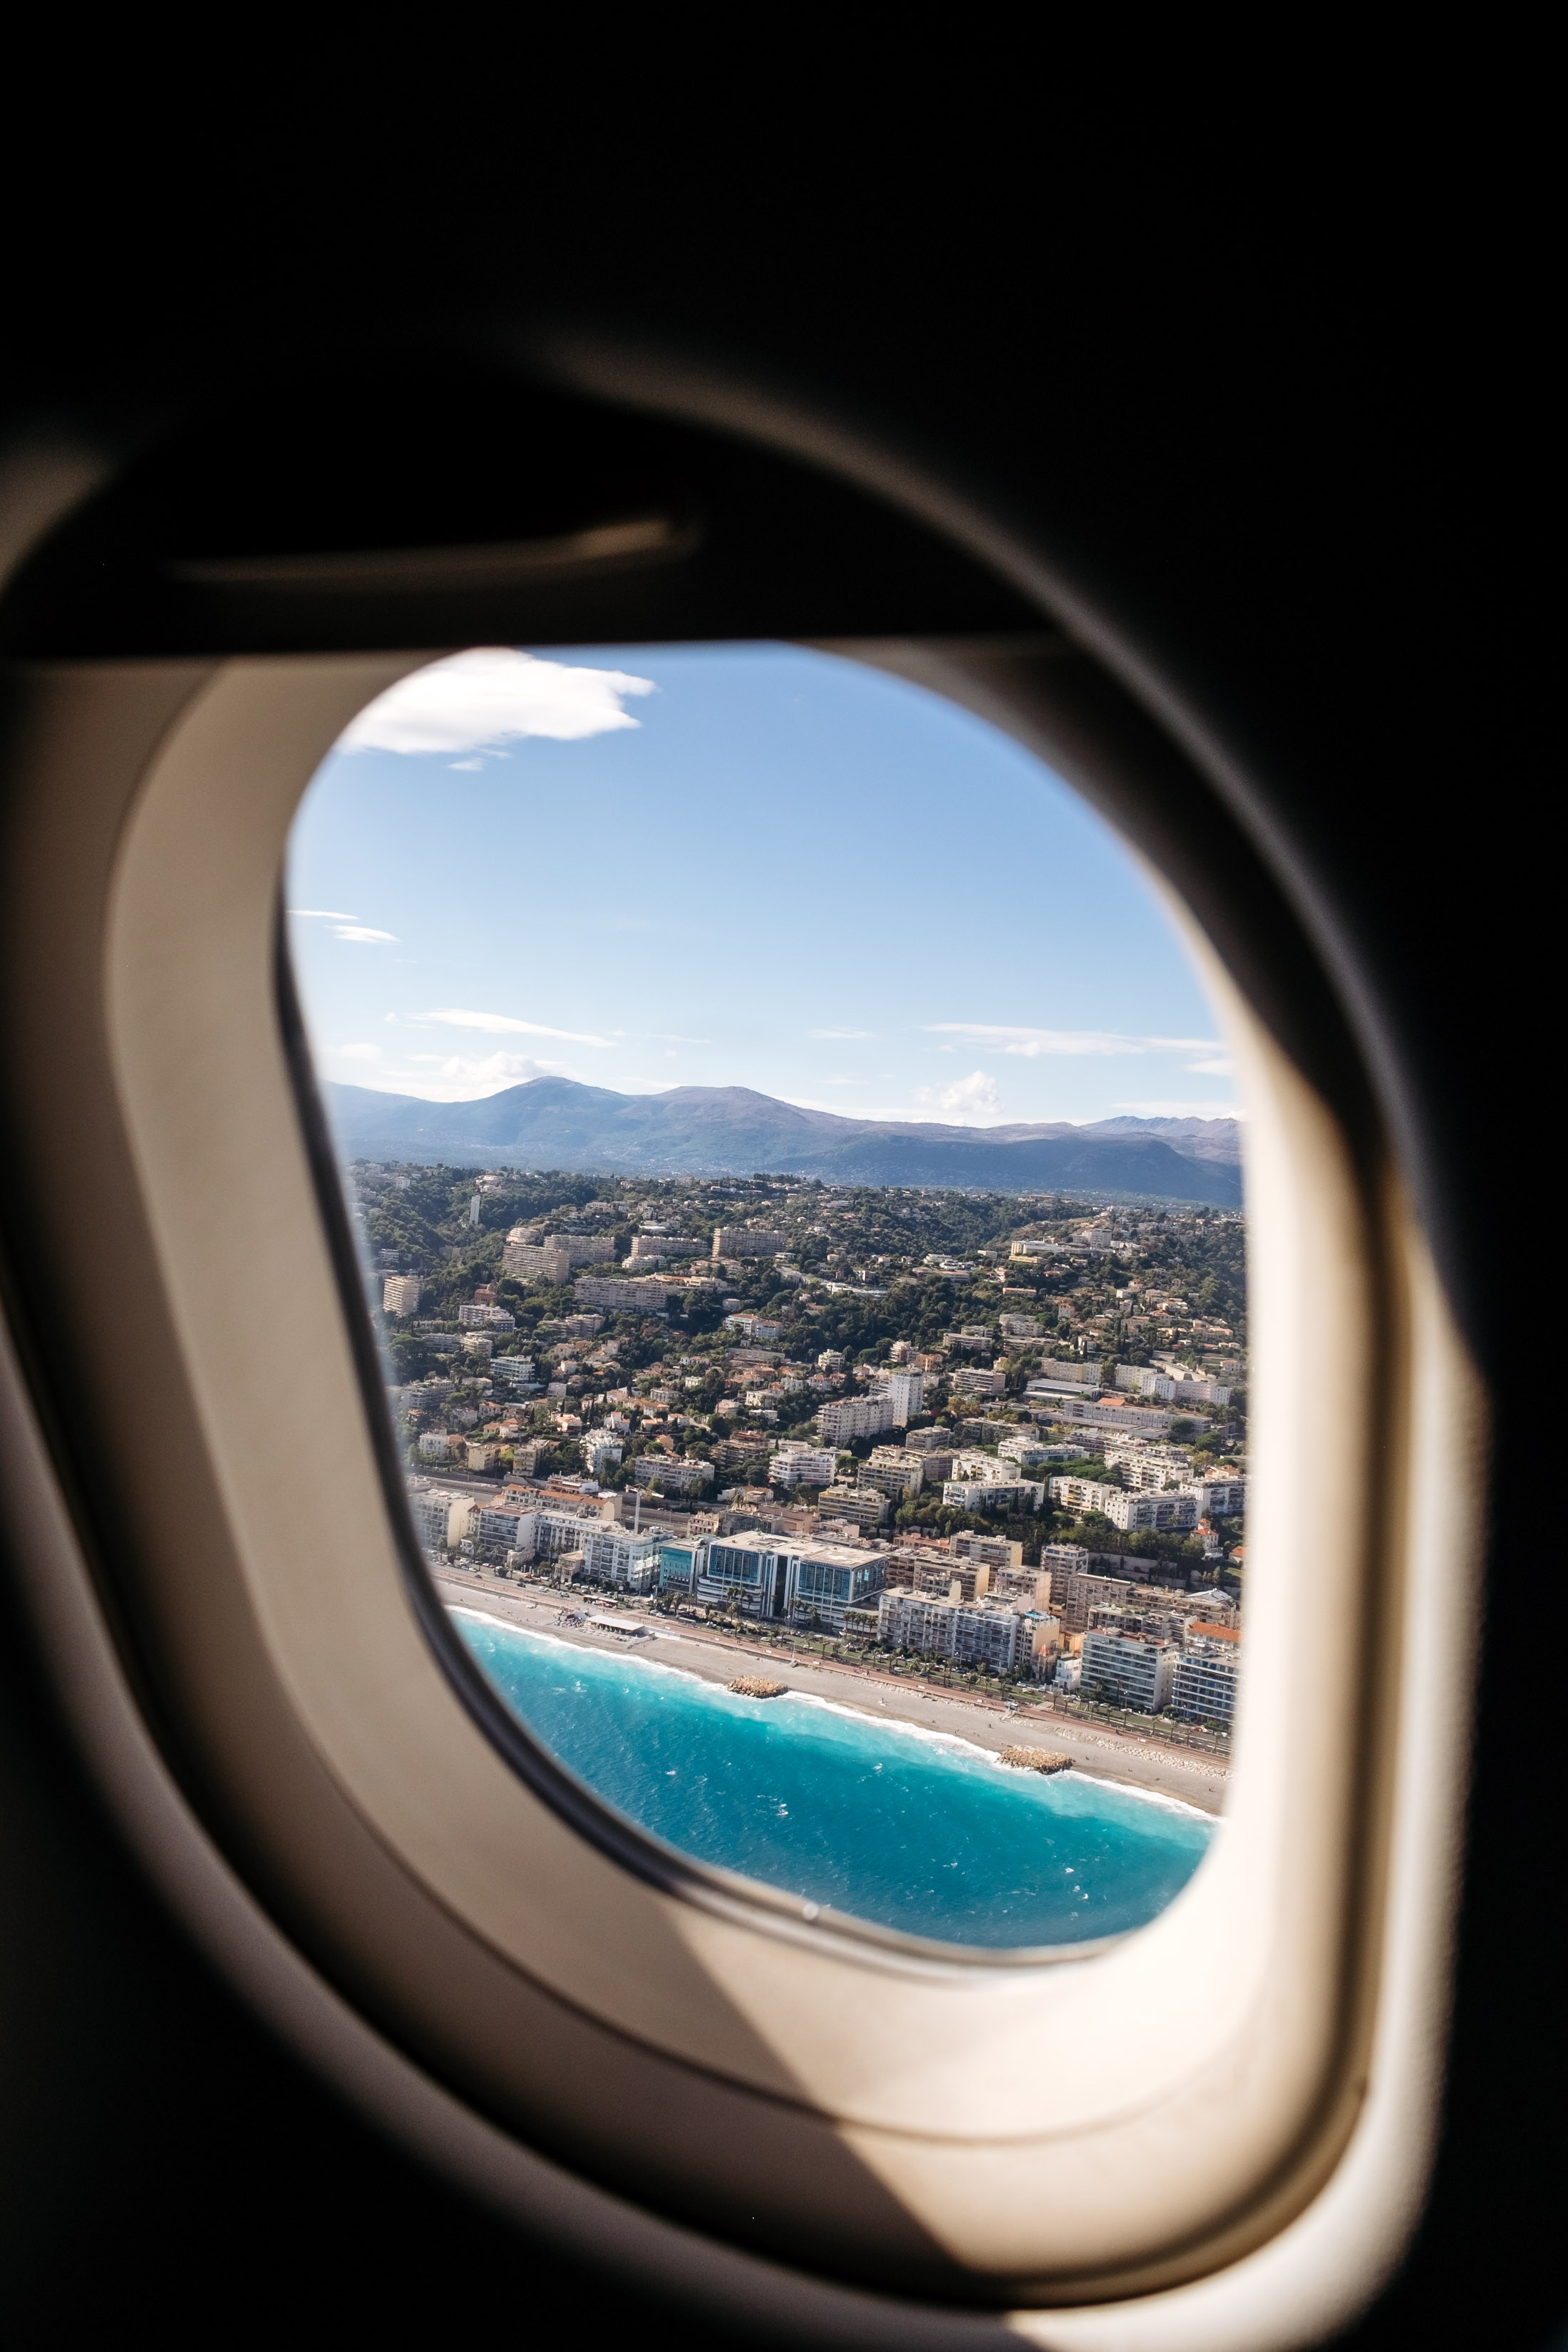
<point x="993" y="1445"/>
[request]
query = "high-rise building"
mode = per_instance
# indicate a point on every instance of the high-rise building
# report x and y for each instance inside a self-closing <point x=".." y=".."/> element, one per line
<point x="905" y="1389"/>
<point x="1129" y="1669"/>
<point x="400" y="1294"/>
<point x="850" y="1417"/>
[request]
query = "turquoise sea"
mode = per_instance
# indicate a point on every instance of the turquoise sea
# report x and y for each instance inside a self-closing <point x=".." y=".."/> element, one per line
<point x="908" y="1829"/>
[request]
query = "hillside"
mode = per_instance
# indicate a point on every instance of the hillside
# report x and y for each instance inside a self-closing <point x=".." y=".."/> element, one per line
<point x="732" y="1130"/>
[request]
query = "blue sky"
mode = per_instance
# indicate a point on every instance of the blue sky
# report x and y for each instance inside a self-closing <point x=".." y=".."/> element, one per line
<point x="730" y="865"/>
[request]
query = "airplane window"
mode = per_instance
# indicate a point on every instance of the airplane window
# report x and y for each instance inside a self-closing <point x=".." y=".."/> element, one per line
<point x="795" y="1177"/>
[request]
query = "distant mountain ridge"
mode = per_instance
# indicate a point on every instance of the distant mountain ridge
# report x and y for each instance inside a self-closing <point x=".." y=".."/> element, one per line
<point x="734" y="1131"/>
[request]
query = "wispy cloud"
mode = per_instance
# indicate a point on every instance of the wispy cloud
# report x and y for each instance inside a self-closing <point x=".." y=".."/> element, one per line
<point x="321" y="915"/>
<point x="361" y="935"/>
<point x="844" y="1037"/>
<point x="457" y="1077"/>
<point x="975" y="1098"/>
<point x="453" y="1016"/>
<point x="478" y="701"/>
<point x="1031" y="1044"/>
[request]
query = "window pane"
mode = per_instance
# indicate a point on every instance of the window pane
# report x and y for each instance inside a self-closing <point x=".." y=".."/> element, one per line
<point x="797" y="1183"/>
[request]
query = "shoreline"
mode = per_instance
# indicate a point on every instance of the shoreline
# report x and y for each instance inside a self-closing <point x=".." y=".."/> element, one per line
<point x="1120" y="1759"/>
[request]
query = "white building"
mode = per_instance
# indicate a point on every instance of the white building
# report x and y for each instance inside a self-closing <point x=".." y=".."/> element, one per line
<point x="441" y="1519"/>
<point x="905" y="1391"/>
<point x="1025" y="1450"/>
<point x="1128" y="1511"/>
<point x="676" y="1474"/>
<point x="803" y="1465"/>
<point x="661" y="1246"/>
<point x="973" y="1379"/>
<point x="1149" y="1468"/>
<point x="1145" y="1380"/>
<point x="1007" y="1495"/>
<point x="968" y="1632"/>
<point x="1207" y="1674"/>
<point x="851" y="1417"/>
<point x="400" y="1294"/>
<point x="1219" y="1497"/>
<point x="1129" y="1669"/>
<point x="894" y="1470"/>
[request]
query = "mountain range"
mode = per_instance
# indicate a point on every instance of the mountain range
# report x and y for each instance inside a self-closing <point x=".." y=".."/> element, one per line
<point x="734" y="1131"/>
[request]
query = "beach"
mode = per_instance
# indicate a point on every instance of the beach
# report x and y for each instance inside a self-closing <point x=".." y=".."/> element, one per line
<point x="1129" y="1759"/>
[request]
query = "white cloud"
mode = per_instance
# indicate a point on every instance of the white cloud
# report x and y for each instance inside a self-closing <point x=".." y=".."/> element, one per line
<point x="974" y="1096"/>
<point x="362" y="935"/>
<point x="479" y="700"/>
<point x="1217" y="1068"/>
<point x="358" y="1053"/>
<point x="458" y="1079"/>
<point x="845" y="1036"/>
<point x="453" y="1016"/>
<point x="1031" y="1043"/>
<point x="322" y="915"/>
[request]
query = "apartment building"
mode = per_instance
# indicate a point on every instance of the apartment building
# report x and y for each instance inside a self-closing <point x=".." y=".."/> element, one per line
<point x="661" y="1246"/>
<point x="803" y="1465"/>
<point x="643" y="1292"/>
<point x="1021" y="1587"/>
<point x="965" y="1632"/>
<point x="928" y="1441"/>
<point x="1125" y="1669"/>
<point x="441" y="1518"/>
<point x="904" y="1389"/>
<point x="850" y="1417"/>
<point x="1008" y="1494"/>
<point x="863" y="1505"/>
<point x="894" y="1471"/>
<point x="1219" y="1497"/>
<point x="1149" y="1468"/>
<point x="923" y="1567"/>
<point x="1207" y="1676"/>
<point x="1126" y="1510"/>
<point x="400" y="1294"/>
<point x="992" y="1552"/>
<point x="748" y="1241"/>
<point x="676" y="1474"/>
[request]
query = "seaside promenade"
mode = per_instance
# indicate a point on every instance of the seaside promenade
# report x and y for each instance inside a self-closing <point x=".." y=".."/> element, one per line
<point x="1099" y="1751"/>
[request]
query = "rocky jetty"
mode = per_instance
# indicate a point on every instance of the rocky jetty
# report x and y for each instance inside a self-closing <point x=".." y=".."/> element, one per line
<point x="753" y="1686"/>
<point x="1030" y="1760"/>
